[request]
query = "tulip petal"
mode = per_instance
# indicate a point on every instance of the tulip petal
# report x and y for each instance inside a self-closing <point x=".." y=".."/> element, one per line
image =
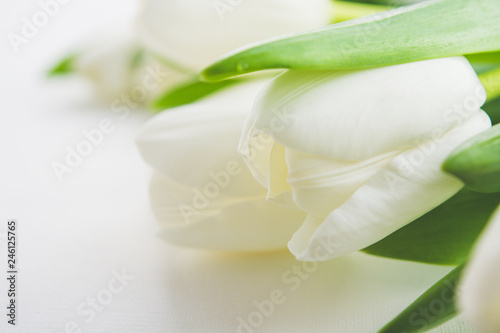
<point x="322" y="184"/>
<point x="223" y="222"/>
<point x="411" y="185"/>
<point x="301" y="238"/>
<point x="202" y="193"/>
<point x="119" y="69"/>
<point x="217" y="27"/>
<point x="195" y="145"/>
<point x="108" y="65"/>
<point x="443" y="236"/>
<point x="356" y="115"/>
<point x="280" y="191"/>
<point x="321" y="114"/>
<point x="267" y="163"/>
<point x="480" y="297"/>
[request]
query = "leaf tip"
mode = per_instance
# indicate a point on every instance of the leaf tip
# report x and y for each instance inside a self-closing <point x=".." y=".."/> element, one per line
<point x="63" y="67"/>
<point x="213" y="73"/>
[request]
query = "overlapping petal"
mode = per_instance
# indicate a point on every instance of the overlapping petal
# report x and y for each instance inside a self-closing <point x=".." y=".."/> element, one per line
<point x="121" y="70"/>
<point x="321" y="184"/>
<point x="355" y="115"/>
<point x="194" y="144"/>
<point x="220" y="222"/>
<point x="362" y="149"/>
<point x="408" y="187"/>
<point x="202" y="193"/>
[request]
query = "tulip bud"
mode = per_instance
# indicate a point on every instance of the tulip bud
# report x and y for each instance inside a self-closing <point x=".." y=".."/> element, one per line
<point x="477" y="161"/>
<point x="181" y="37"/>
<point x="120" y="69"/>
<point x="480" y="285"/>
<point x="195" y="33"/>
<point x="361" y="151"/>
<point x="202" y="193"/>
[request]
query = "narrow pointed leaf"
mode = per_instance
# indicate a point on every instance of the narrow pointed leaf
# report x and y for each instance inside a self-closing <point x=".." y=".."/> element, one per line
<point x="493" y="110"/>
<point x="445" y="235"/>
<point x="433" y="308"/>
<point x="63" y="67"/>
<point x="188" y="93"/>
<point x="477" y="161"/>
<point x="432" y="29"/>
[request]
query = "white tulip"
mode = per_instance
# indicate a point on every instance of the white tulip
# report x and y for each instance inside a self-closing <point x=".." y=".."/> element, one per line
<point x="480" y="287"/>
<point x="202" y="193"/>
<point x="197" y="32"/>
<point x="361" y="151"/>
<point x="119" y="69"/>
<point x="109" y="73"/>
<point x="187" y="36"/>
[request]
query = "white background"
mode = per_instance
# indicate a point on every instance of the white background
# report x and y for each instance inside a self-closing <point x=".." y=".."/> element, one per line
<point x="74" y="234"/>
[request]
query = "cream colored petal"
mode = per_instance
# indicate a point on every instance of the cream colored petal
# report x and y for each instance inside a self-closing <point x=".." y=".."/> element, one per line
<point x="152" y="78"/>
<point x="203" y="195"/>
<point x="411" y="185"/>
<point x="279" y="191"/>
<point x="356" y="115"/>
<point x="480" y="287"/>
<point x="107" y="63"/>
<point x="122" y="72"/>
<point x="256" y="148"/>
<point x="301" y="238"/>
<point x="195" y="145"/>
<point x="267" y="163"/>
<point x="189" y="217"/>
<point x="196" y="33"/>
<point x="321" y="184"/>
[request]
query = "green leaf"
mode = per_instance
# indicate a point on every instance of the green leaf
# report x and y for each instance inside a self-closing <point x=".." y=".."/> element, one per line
<point x="488" y="57"/>
<point x="433" y="308"/>
<point x="63" y="67"/>
<point x="189" y="92"/>
<point x="432" y="29"/>
<point x="493" y="110"/>
<point x="491" y="82"/>
<point x="443" y="236"/>
<point x="477" y="161"/>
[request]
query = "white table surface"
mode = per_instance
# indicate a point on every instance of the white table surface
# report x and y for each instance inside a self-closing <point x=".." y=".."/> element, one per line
<point x="76" y="234"/>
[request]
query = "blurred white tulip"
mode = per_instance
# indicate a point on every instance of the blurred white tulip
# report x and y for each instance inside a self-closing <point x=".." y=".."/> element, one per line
<point x="480" y="287"/>
<point x="111" y="75"/>
<point x="361" y="151"/>
<point x="202" y="193"/>
<point x="182" y="37"/>
<point x="195" y="33"/>
<point x="119" y="68"/>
